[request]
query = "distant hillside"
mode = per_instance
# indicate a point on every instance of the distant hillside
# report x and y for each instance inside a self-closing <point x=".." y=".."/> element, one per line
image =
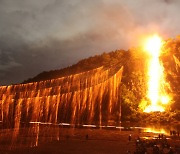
<point x="134" y="80"/>
<point x="106" y="59"/>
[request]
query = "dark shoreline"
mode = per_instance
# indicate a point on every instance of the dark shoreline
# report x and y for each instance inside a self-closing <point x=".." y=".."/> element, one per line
<point x="74" y="140"/>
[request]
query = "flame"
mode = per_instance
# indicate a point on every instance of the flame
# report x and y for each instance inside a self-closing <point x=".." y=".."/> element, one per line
<point x="156" y="81"/>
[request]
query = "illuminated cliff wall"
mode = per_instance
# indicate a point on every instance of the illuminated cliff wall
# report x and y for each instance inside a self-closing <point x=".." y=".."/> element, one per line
<point x="91" y="97"/>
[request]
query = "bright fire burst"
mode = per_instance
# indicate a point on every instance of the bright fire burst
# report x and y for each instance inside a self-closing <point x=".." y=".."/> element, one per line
<point x="156" y="81"/>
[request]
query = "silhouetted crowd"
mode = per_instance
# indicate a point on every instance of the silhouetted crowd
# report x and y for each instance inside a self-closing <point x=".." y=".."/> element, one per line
<point x="174" y="133"/>
<point x="158" y="145"/>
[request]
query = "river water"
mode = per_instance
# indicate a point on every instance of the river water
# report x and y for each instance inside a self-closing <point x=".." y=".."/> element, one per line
<point x="37" y="133"/>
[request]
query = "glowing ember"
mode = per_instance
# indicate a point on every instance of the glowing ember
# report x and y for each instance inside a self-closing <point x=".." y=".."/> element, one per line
<point x="156" y="80"/>
<point x="156" y="131"/>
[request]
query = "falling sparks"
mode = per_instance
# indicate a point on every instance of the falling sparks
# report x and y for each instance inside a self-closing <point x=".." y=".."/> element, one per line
<point x="156" y="81"/>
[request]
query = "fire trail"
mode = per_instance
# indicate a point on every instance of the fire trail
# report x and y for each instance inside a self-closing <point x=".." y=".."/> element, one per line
<point x="157" y="84"/>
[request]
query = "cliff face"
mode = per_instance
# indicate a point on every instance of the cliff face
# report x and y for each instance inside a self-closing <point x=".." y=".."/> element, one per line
<point x="90" y="97"/>
<point x="88" y="92"/>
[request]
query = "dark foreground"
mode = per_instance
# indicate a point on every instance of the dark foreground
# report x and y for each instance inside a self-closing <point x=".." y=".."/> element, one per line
<point x="96" y="141"/>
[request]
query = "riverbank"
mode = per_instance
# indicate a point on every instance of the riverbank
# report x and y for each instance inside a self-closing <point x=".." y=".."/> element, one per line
<point x="72" y="141"/>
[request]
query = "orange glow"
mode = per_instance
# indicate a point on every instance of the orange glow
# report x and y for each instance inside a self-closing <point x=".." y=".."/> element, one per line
<point x="156" y="81"/>
<point x="156" y="131"/>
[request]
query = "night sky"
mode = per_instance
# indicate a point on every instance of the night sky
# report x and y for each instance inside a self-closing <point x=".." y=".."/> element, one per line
<point x="42" y="35"/>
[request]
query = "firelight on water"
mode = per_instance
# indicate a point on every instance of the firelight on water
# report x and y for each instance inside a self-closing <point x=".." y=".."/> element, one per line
<point x="156" y="81"/>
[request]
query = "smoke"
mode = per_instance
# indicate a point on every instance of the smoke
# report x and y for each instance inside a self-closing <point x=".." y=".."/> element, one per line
<point x="40" y="35"/>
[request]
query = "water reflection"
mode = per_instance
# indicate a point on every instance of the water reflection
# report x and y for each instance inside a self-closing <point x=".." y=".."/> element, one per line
<point x="162" y="129"/>
<point x="157" y="131"/>
<point x="38" y="133"/>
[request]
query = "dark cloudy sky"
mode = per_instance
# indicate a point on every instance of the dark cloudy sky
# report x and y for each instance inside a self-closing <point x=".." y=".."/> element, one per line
<point x="38" y="35"/>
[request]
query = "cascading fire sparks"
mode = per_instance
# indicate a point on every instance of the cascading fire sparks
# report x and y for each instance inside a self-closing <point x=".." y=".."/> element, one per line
<point x="156" y="81"/>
